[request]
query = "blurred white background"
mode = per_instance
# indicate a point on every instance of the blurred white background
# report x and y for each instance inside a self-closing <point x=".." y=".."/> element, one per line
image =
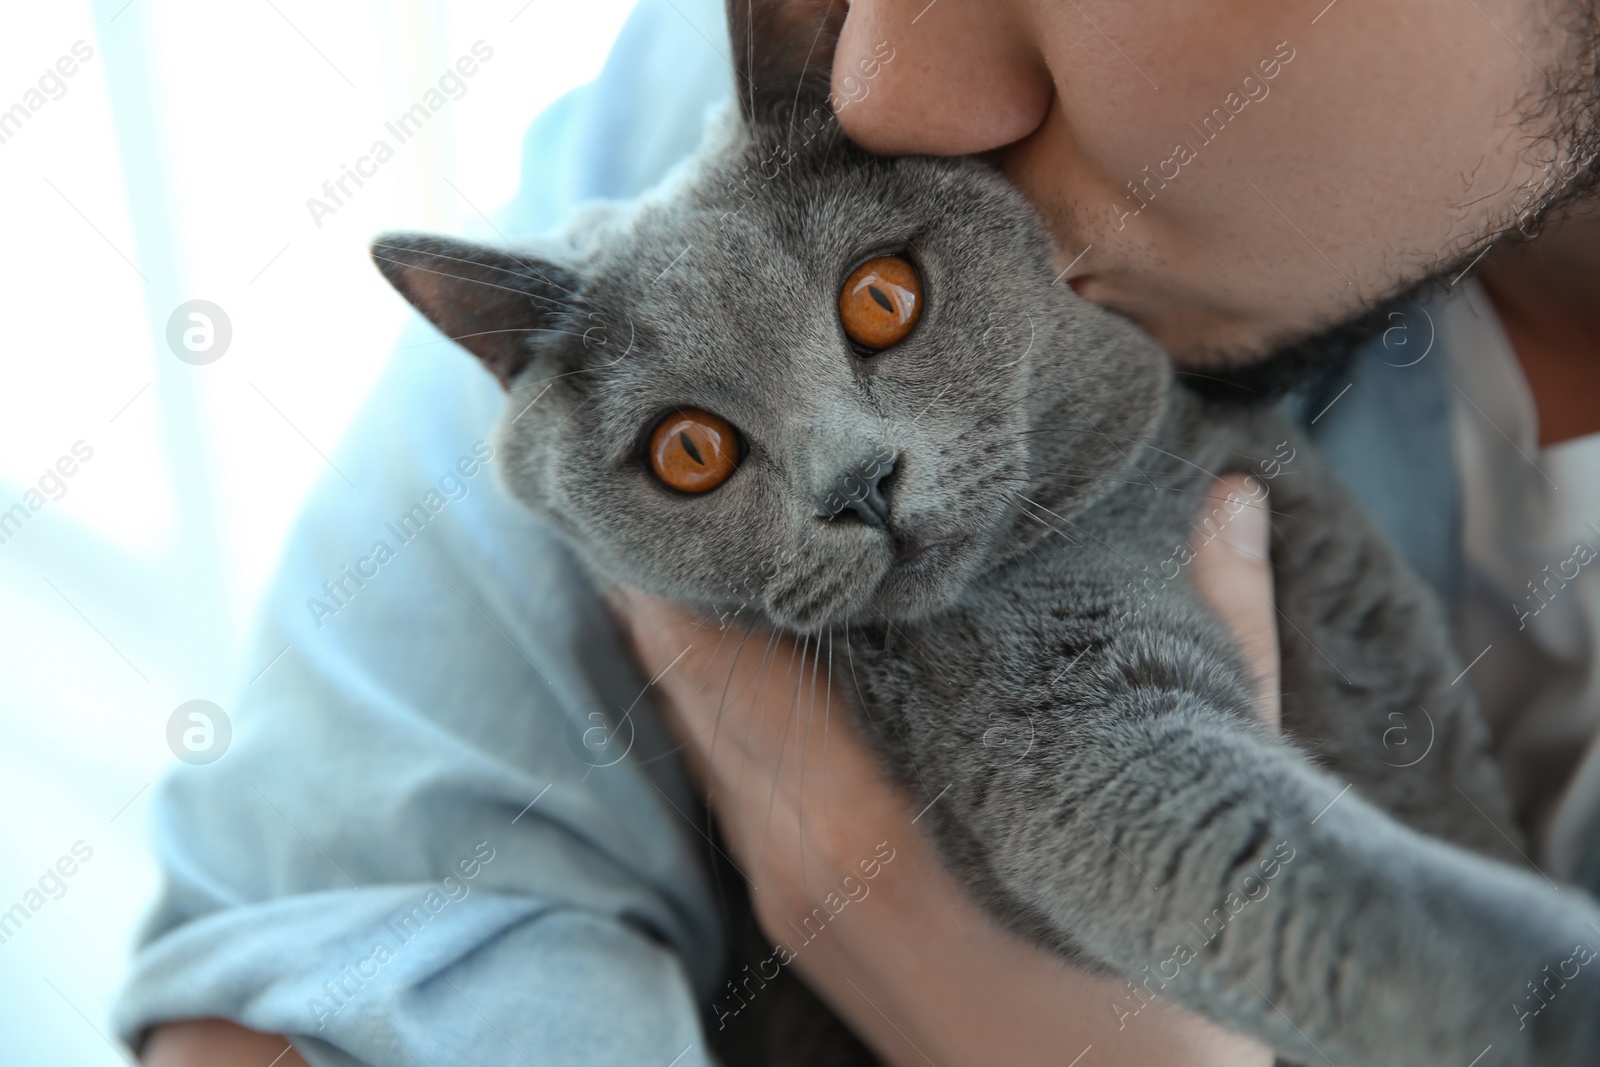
<point x="174" y="164"/>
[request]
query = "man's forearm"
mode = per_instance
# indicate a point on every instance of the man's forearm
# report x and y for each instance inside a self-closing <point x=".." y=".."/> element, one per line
<point x="216" y="1043"/>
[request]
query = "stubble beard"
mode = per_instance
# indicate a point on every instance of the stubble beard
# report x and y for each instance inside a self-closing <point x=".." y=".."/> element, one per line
<point x="1560" y="116"/>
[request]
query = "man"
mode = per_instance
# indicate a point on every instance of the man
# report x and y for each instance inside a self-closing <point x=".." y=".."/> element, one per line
<point x="1247" y="181"/>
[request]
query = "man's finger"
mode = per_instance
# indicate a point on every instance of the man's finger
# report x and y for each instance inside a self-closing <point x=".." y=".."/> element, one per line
<point x="1233" y="571"/>
<point x="720" y="679"/>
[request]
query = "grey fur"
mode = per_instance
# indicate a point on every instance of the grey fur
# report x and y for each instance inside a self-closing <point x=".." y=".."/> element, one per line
<point x="1044" y="441"/>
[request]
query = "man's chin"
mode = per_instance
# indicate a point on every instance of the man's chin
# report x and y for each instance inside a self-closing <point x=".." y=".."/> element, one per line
<point x="1222" y="354"/>
<point x="1266" y="370"/>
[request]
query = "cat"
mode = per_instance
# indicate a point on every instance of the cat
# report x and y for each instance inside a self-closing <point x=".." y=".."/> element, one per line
<point x="845" y="396"/>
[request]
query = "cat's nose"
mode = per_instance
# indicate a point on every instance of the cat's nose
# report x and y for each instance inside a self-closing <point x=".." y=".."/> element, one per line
<point x="861" y="490"/>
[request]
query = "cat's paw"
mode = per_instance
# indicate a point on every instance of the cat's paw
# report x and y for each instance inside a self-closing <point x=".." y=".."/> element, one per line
<point x="1555" y="1010"/>
<point x="1561" y="1010"/>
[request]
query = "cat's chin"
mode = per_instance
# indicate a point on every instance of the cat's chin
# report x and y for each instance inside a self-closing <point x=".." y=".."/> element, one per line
<point x="918" y="581"/>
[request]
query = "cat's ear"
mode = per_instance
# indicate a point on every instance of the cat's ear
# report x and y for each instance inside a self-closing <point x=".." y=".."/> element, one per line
<point x="488" y="301"/>
<point x="783" y="56"/>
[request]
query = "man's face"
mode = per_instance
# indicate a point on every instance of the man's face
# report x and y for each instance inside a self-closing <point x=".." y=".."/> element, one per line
<point x="1230" y="174"/>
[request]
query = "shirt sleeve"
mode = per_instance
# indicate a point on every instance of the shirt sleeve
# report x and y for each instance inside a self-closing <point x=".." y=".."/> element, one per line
<point x="448" y="827"/>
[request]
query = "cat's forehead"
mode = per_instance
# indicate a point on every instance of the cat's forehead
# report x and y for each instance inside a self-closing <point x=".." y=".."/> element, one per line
<point x="765" y="201"/>
<point x="719" y="271"/>
<point x="726" y="283"/>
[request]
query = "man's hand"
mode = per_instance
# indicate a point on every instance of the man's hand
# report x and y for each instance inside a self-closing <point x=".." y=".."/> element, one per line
<point x="216" y="1043"/>
<point x="915" y="967"/>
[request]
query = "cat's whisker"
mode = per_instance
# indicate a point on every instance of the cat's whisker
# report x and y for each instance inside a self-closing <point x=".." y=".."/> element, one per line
<point x="478" y="264"/>
<point x="827" y="707"/>
<point x="716" y="726"/>
<point x="1096" y="487"/>
<point x="1125" y="560"/>
<point x="800" y="83"/>
<point x="1068" y="538"/>
<point x="575" y="409"/>
<point x="524" y="293"/>
<point x="632" y="331"/>
<point x="490" y="333"/>
<point x="1063" y="534"/>
<point x="1054" y="388"/>
<point x="783" y="741"/>
<point x="597" y="367"/>
<point x="563" y="374"/>
<point x="760" y="678"/>
<point x="1096" y="472"/>
<point x="1136" y="441"/>
<point x="805" y="744"/>
<point x="755" y="699"/>
<point x="864" y="707"/>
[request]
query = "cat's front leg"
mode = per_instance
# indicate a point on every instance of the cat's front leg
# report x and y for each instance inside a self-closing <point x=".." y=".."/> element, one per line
<point x="1372" y="689"/>
<point x="1208" y="863"/>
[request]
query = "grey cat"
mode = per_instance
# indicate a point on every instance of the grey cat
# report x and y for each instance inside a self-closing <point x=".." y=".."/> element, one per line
<point x="985" y="519"/>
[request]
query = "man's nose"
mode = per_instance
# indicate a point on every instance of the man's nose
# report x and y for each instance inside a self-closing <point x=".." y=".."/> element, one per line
<point x="948" y="78"/>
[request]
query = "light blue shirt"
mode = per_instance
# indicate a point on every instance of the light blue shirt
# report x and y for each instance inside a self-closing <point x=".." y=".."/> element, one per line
<point x="438" y="720"/>
<point x="425" y="846"/>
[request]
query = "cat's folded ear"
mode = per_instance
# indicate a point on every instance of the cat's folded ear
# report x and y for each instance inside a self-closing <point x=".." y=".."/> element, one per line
<point x="488" y="301"/>
<point x="783" y="55"/>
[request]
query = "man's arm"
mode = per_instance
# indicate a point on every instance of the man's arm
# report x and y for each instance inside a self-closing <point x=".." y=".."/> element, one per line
<point x="216" y="1043"/>
<point x="421" y="700"/>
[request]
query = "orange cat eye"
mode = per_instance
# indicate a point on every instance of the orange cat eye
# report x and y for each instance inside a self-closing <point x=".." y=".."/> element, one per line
<point x="880" y="302"/>
<point x="694" y="451"/>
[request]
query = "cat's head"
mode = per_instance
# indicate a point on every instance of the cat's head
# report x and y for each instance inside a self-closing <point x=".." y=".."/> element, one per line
<point x="824" y="385"/>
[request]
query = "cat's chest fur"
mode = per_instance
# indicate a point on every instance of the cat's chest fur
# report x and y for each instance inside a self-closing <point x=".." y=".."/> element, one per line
<point x="1105" y="594"/>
